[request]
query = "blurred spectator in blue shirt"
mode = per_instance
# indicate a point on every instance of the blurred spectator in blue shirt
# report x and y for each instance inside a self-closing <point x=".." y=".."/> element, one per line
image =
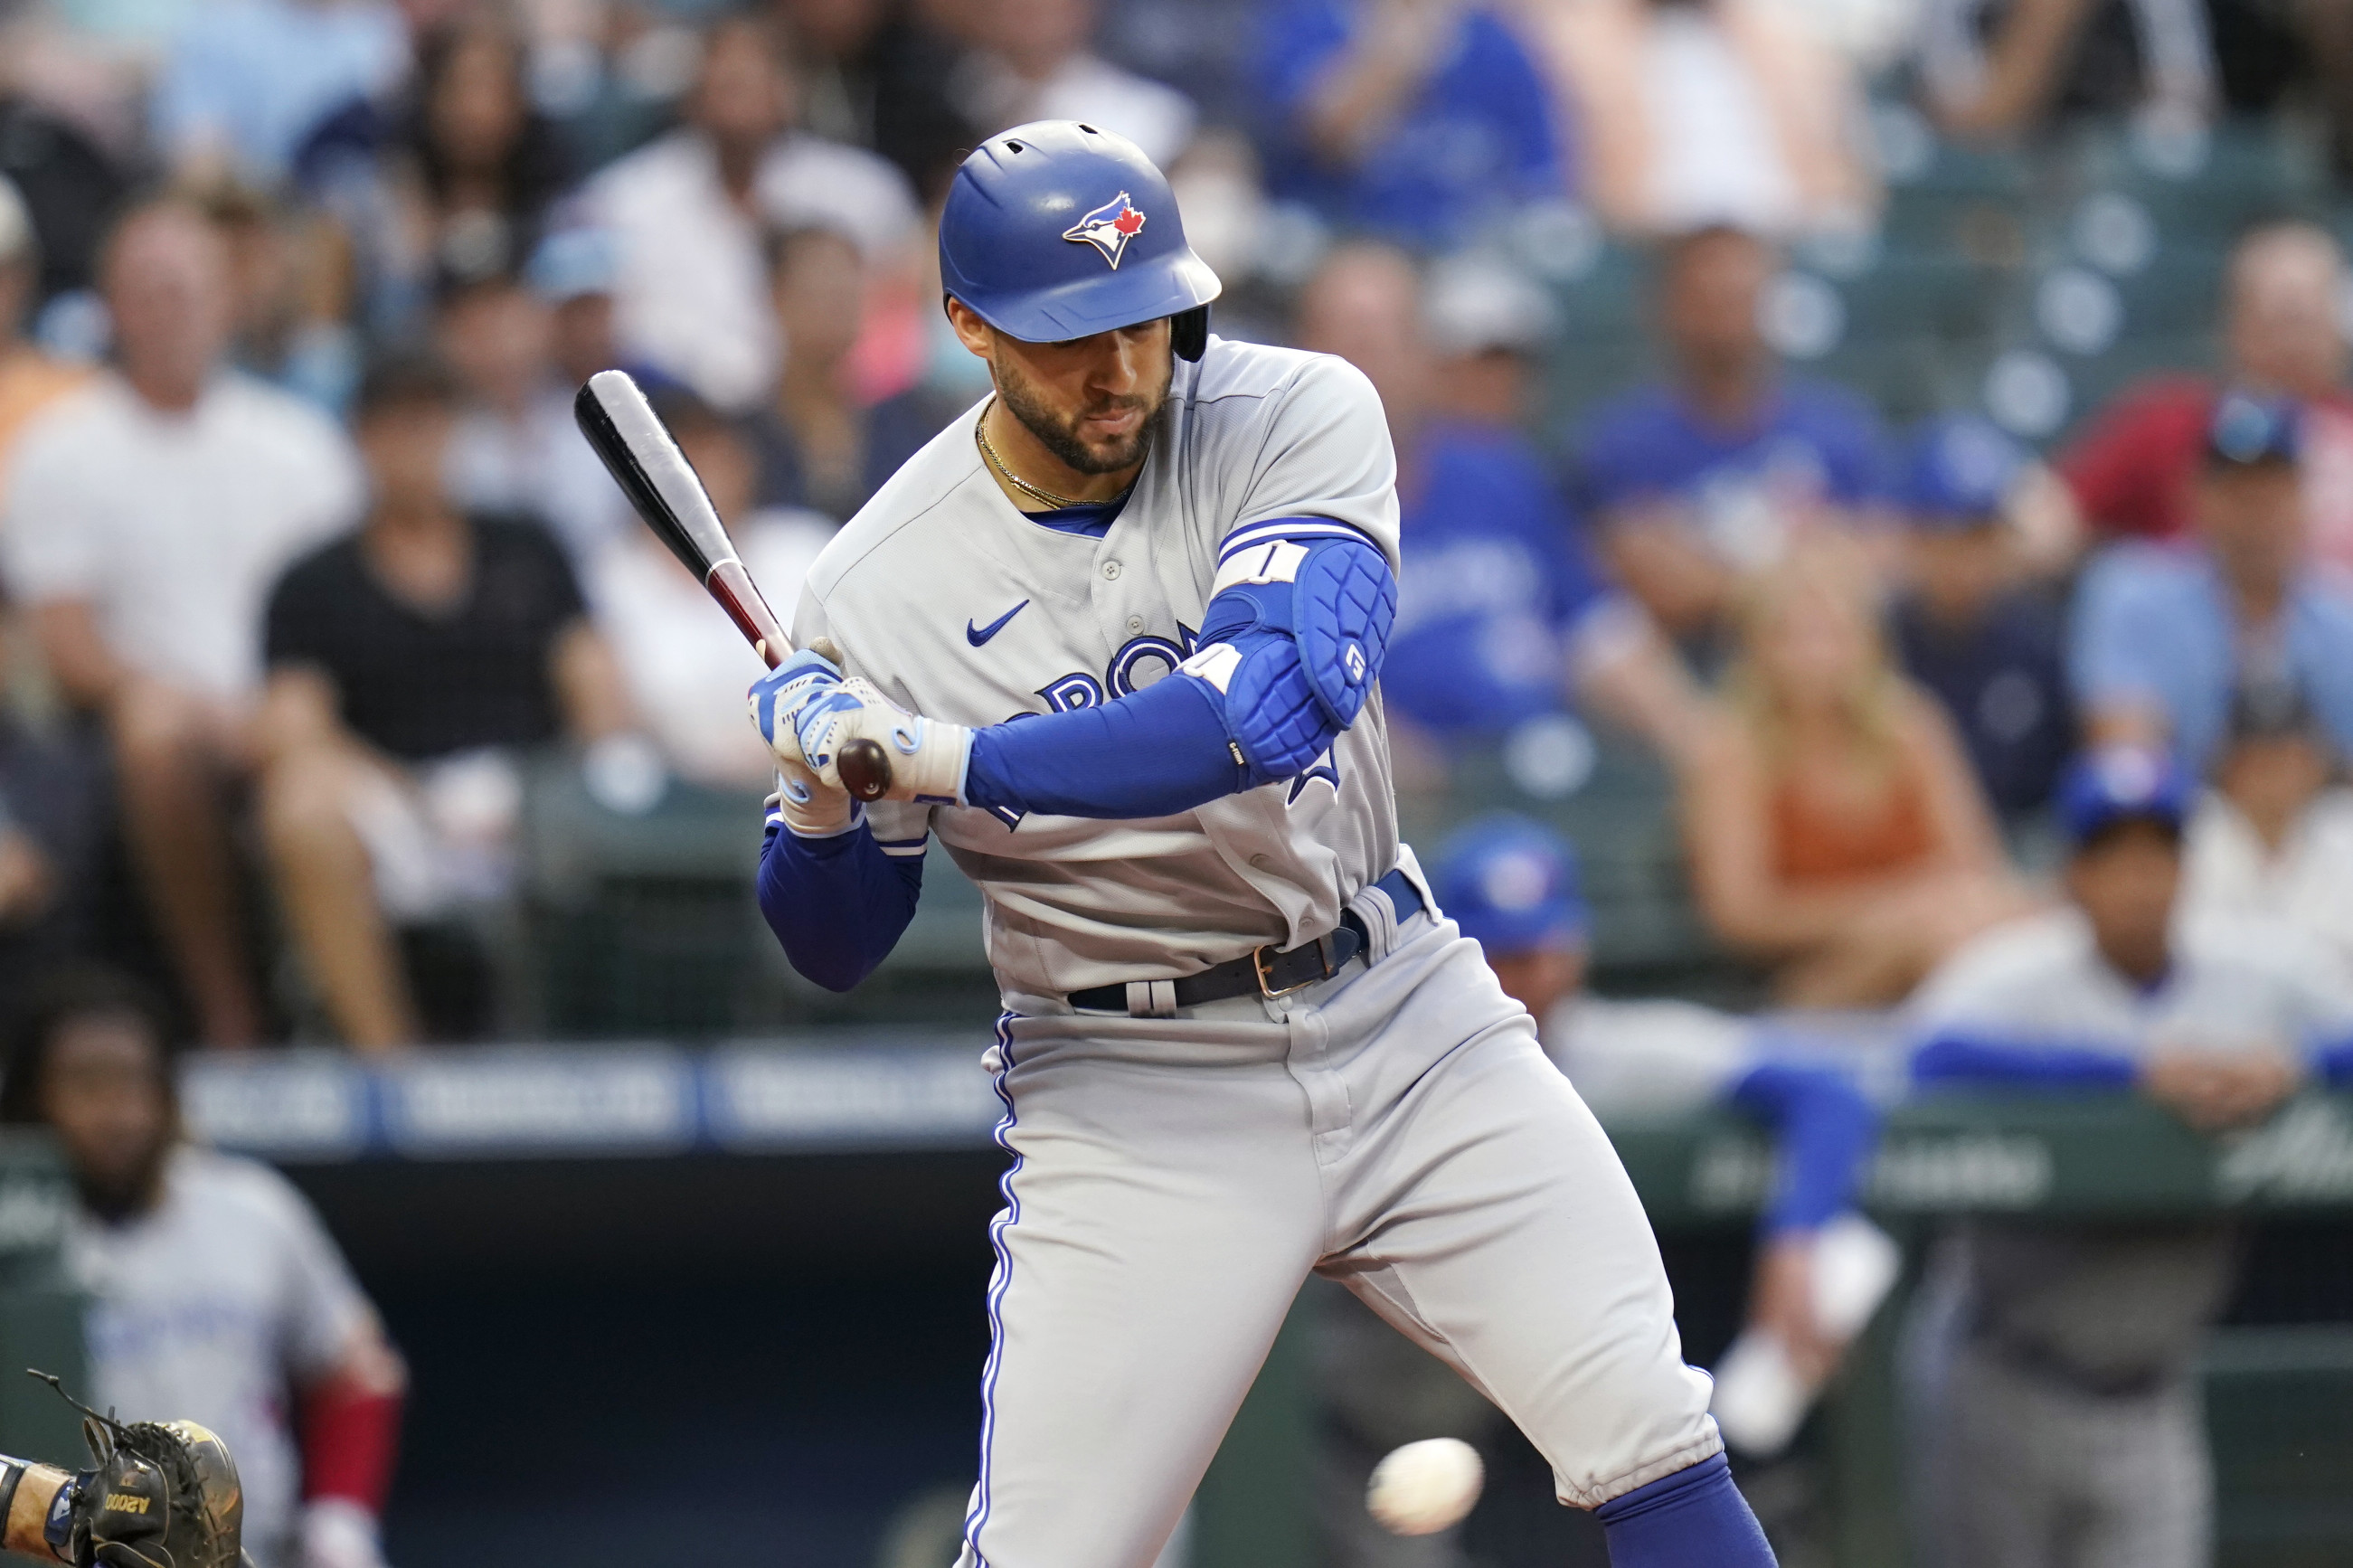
<point x="247" y="79"/>
<point x="2163" y="637"/>
<point x="1417" y="119"/>
<point x="1703" y="478"/>
<point x="1989" y="646"/>
<point x="1503" y="615"/>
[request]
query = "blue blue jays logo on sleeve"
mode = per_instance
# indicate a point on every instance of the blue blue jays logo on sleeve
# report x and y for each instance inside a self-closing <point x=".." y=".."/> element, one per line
<point x="1108" y="228"/>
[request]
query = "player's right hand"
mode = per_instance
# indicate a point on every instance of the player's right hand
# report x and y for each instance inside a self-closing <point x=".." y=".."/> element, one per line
<point x="779" y="700"/>
<point x="927" y="757"/>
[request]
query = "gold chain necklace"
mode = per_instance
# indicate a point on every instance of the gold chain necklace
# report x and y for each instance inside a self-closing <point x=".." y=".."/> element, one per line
<point x="980" y="434"/>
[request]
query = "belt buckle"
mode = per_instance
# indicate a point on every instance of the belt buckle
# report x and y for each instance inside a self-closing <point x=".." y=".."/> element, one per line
<point x="1263" y="967"/>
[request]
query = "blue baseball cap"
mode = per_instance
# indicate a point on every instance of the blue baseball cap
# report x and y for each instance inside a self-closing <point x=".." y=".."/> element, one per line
<point x="1959" y="472"/>
<point x="2120" y="783"/>
<point x="1511" y="884"/>
<point x="2245" y="430"/>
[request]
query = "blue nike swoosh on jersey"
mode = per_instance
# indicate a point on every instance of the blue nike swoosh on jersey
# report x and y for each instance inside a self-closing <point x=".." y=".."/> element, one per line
<point x="979" y="635"/>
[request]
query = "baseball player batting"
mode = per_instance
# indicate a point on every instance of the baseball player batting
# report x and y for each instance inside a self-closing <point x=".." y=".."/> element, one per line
<point x="1119" y="631"/>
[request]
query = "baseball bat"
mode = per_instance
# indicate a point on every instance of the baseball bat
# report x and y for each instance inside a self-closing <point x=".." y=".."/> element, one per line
<point x="667" y="496"/>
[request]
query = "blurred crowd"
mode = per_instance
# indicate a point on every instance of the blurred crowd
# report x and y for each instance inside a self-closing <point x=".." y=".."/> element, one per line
<point x="306" y="562"/>
<point x="306" y="570"/>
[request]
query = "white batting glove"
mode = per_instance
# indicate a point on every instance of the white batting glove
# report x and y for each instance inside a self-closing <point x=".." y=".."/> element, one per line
<point x="811" y="807"/>
<point x="927" y="757"/>
<point x="339" y="1533"/>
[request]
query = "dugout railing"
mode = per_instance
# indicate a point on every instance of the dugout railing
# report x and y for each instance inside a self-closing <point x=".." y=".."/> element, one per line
<point x="515" y="1162"/>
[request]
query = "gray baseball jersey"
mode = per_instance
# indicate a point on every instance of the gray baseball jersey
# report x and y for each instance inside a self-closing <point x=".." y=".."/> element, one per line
<point x="214" y="1306"/>
<point x="1177" y="1178"/>
<point x="961" y="608"/>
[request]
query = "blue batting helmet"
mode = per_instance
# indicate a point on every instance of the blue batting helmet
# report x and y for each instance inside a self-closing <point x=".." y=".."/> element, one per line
<point x="1057" y="230"/>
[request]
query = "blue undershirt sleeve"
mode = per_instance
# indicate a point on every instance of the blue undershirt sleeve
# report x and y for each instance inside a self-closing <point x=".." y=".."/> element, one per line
<point x="2332" y="1063"/>
<point x="1826" y="1129"/>
<point x="1960" y="1057"/>
<point x="837" y="905"/>
<point x="1156" y="753"/>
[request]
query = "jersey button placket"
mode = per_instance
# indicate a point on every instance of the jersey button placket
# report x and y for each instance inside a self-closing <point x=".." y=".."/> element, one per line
<point x="1117" y="602"/>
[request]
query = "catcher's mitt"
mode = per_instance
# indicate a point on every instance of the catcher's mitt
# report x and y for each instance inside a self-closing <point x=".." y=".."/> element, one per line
<point x="160" y="1494"/>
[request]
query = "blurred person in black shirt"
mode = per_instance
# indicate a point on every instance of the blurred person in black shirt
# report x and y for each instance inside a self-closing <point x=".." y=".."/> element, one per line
<point x="875" y="73"/>
<point x="71" y="184"/>
<point x="407" y="663"/>
<point x="1969" y="629"/>
<point x="475" y="165"/>
<point x="2000" y="70"/>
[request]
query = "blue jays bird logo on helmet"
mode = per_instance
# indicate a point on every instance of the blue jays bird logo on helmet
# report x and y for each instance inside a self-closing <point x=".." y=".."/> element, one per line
<point x="1108" y="228"/>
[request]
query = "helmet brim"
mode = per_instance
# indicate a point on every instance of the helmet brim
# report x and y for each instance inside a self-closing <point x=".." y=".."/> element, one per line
<point x="1166" y="286"/>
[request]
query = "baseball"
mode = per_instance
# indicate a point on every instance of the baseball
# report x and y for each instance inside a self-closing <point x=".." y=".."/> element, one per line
<point x="1425" y="1487"/>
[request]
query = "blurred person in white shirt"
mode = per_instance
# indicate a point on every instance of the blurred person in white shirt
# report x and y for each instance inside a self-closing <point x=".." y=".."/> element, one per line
<point x="1036" y="60"/>
<point x="687" y="212"/>
<point x="683" y="660"/>
<point x="1691" y="112"/>
<point x="214" y="1288"/>
<point x="146" y="518"/>
<point x="2272" y="835"/>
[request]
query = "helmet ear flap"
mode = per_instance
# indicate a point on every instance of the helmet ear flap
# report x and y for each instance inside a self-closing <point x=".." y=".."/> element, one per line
<point x="1189" y="332"/>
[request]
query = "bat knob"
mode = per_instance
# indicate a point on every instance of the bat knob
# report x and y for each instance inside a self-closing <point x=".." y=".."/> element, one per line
<point x="865" y="769"/>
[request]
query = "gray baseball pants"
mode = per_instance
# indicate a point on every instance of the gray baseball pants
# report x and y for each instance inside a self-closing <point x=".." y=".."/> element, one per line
<point x="1175" y="1182"/>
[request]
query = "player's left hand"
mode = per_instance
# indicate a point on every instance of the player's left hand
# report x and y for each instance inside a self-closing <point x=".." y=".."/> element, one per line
<point x="927" y="757"/>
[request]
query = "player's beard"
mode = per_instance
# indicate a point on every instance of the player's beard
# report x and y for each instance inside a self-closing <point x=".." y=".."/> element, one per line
<point x="1058" y="433"/>
<point x="127" y="1189"/>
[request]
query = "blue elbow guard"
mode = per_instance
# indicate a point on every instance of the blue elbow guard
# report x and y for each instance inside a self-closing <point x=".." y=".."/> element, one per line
<point x="1293" y="640"/>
